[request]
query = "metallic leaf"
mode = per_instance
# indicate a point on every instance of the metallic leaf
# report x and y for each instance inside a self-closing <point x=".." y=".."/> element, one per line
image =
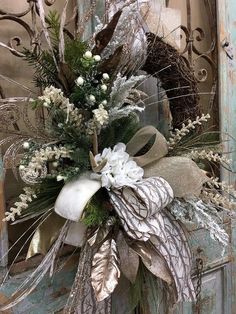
<point x="105" y="270"/>
<point x="101" y="232"/>
<point x="129" y="259"/>
<point x="104" y="36"/>
<point x="153" y="261"/>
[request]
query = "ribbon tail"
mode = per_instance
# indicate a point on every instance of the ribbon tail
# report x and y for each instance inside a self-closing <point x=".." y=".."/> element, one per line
<point x="45" y="235"/>
<point x="82" y="298"/>
<point x="173" y="246"/>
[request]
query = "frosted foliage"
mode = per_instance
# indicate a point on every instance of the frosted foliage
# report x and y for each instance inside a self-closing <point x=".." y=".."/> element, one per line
<point x="195" y="211"/>
<point x="122" y="87"/>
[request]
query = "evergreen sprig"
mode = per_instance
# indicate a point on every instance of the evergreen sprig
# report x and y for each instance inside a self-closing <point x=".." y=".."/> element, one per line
<point x="45" y="69"/>
<point x="53" y="21"/>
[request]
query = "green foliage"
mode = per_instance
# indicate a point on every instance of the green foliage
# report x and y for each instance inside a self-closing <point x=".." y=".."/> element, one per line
<point x="47" y="192"/>
<point x="96" y="212"/>
<point x="53" y="21"/>
<point x="74" y="50"/>
<point x="45" y="69"/>
<point x="119" y="131"/>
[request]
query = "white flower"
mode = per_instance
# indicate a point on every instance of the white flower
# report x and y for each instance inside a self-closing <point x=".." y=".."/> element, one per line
<point x="88" y="55"/>
<point x="120" y="170"/>
<point x="101" y="115"/>
<point x="79" y="81"/>
<point x="26" y="145"/>
<point x="104" y="87"/>
<point x="21" y="167"/>
<point x="92" y="98"/>
<point x="97" y="58"/>
<point x="105" y="76"/>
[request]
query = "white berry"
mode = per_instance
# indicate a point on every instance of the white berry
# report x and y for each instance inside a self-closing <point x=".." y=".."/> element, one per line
<point x="97" y="58"/>
<point x="60" y="178"/>
<point x="92" y="98"/>
<point x="104" y="102"/>
<point x="26" y="145"/>
<point x="88" y="55"/>
<point x="104" y="87"/>
<point x="105" y="76"/>
<point x="55" y="164"/>
<point x="79" y="81"/>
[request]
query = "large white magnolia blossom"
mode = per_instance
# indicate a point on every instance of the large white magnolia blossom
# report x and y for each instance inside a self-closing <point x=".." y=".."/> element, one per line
<point x="120" y="170"/>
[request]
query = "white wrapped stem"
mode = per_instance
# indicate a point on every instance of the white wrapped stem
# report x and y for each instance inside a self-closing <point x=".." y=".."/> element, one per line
<point x="75" y="195"/>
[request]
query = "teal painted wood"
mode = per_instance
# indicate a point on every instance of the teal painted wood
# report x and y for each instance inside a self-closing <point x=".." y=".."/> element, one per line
<point x="49" y="297"/>
<point x="227" y="85"/>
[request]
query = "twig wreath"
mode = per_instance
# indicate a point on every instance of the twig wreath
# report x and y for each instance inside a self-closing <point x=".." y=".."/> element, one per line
<point x="106" y="184"/>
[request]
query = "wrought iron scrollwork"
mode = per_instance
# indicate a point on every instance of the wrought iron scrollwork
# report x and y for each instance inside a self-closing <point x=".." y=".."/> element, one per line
<point x="192" y="35"/>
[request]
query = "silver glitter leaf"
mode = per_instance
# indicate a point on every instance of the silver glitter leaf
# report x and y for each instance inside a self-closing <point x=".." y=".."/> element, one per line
<point x="105" y="270"/>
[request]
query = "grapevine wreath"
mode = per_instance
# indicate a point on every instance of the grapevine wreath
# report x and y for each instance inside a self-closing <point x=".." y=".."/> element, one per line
<point x="96" y="179"/>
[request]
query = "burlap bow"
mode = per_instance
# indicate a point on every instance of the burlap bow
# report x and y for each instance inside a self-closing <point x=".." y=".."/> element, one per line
<point x="183" y="175"/>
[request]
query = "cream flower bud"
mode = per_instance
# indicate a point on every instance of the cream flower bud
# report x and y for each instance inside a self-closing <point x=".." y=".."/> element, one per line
<point x="26" y="145"/>
<point x="45" y="104"/>
<point x="97" y="58"/>
<point x="79" y="81"/>
<point x="104" y="87"/>
<point x="21" y="167"/>
<point x="92" y="98"/>
<point x="88" y="55"/>
<point x="105" y="76"/>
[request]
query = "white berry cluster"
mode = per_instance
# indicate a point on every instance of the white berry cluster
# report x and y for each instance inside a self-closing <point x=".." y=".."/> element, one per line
<point x="36" y="166"/>
<point x="27" y="197"/>
<point x="209" y="155"/>
<point x="53" y="96"/>
<point x="178" y="134"/>
<point x="101" y="116"/>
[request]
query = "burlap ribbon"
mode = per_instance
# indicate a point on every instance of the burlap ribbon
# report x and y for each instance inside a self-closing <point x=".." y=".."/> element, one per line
<point x="183" y="175"/>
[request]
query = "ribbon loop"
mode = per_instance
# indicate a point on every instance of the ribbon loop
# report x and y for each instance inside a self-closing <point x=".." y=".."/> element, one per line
<point x="183" y="174"/>
<point x="158" y="150"/>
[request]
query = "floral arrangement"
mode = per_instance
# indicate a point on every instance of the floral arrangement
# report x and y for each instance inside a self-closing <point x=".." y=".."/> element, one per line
<point x="110" y="186"/>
